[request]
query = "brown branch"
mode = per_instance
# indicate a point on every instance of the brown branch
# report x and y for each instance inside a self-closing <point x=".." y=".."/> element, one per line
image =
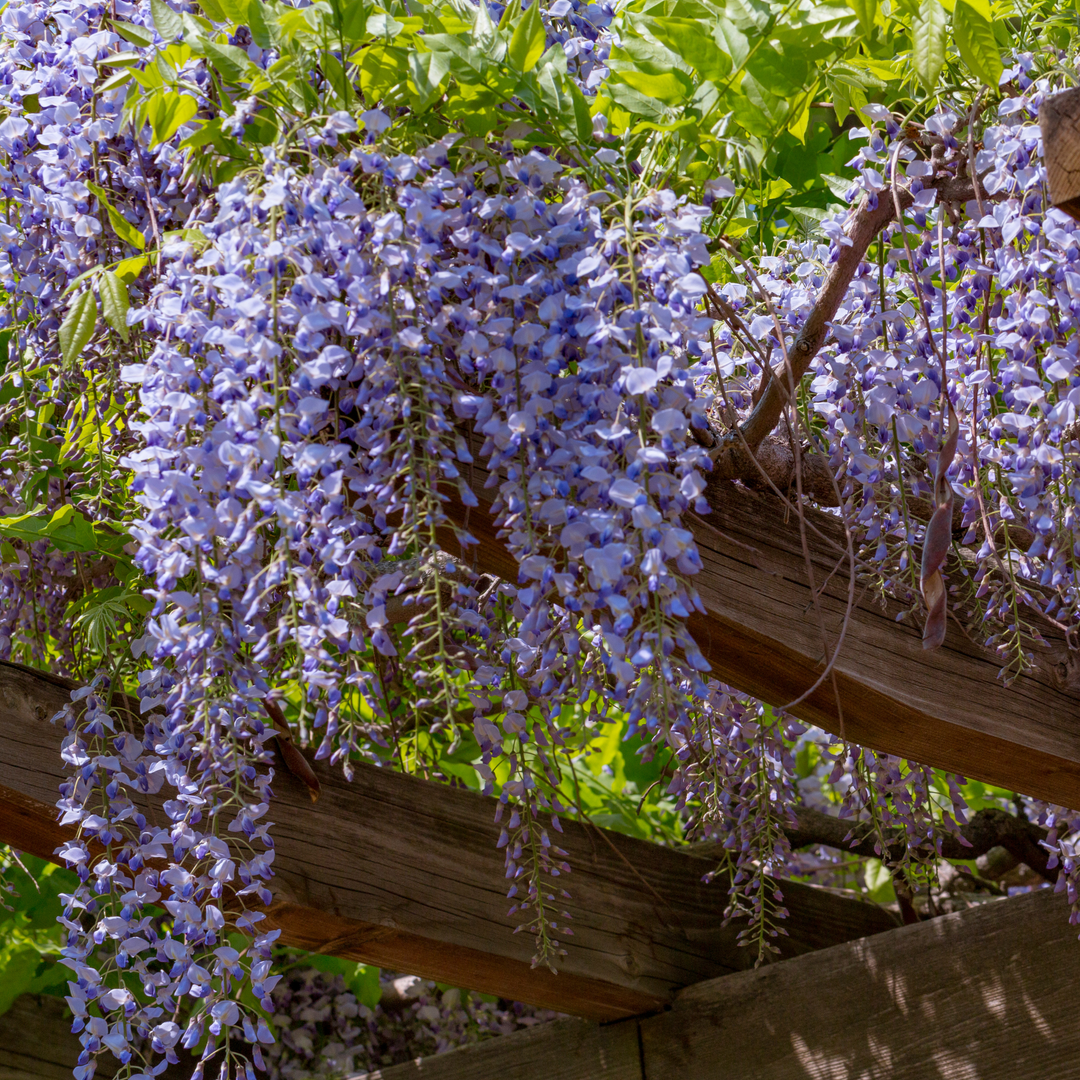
<point x="988" y="829"/>
<point x="730" y="459"/>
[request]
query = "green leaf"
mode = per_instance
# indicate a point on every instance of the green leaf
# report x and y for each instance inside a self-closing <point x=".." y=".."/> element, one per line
<point x="121" y="78"/>
<point x="692" y="42"/>
<point x="635" y="103"/>
<point x="528" y="41"/>
<point x="130" y="269"/>
<point x="841" y="99"/>
<point x="235" y="11"/>
<point x="483" y="30"/>
<point x="879" y="883"/>
<point x="427" y="71"/>
<point x="466" y="63"/>
<point x="866" y="10"/>
<point x="114" y="302"/>
<point x="981" y="7"/>
<point x="17" y="975"/>
<point x="582" y="116"/>
<point x="364" y="982"/>
<point x="732" y="41"/>
<point x="974" y="38"/>
<point x="136" y="35"/>
<point x="354" y="17"/>
<point x="213" y="10"/>
<point x="928" y="42"/>
<point x="230" y="61"/>
<point x="383" y="25"/>
<point x="78" y="326"/>
<point x="168" y="22"/>
<point x="257" y="24"/>
<point x="168" y="112"/>
<point x="672" y="87"/>
<point x="121" y="226"/>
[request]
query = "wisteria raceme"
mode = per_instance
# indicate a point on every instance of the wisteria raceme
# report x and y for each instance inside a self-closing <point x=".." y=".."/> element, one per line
<point x="338" y="349"/>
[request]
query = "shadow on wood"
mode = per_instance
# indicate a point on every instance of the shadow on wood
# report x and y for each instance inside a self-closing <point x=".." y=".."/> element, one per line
<point x="984" y="994"/>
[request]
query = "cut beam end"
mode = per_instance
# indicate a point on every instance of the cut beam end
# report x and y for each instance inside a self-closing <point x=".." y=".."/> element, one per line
<point x="1059" y="118"/>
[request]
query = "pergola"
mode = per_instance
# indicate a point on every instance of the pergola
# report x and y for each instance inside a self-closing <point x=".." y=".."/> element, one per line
<point x="400" y="872"/>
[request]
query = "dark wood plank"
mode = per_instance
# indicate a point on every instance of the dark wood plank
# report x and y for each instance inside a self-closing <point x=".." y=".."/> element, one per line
<point x="562" y="1050"/>
<point x="36" y="1042"/>
<point x="945" y="707"/>
<point x="1059" y="117"/>
<point x="977" y="995"/>
<point x="403" y="873"/>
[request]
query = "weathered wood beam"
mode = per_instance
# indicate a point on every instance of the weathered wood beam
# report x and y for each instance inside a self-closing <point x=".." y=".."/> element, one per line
<point x="403" y="873"/>
<point x="561" y="1050"/>
<point x="1059" y="117"/>
<point x="945" y="707"/>
<point x="984" y="993"/>
<point x="36" y="1042"/>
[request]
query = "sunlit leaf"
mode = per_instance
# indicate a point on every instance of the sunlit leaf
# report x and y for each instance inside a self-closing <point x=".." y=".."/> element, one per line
<point x="114" y="302"/>
<point x="78" y="326"/>
<point x="928" y="42"/>
<point x="168" y="22"/>
<point x="528" y="41"/>
<point x="975" y="40"/>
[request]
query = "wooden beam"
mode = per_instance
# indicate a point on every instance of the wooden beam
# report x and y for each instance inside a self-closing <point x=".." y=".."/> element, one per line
<point x="945" y="707"/>
<point x="561" y="1050"/>
<point x="403" y="873"/>
<point x="1059" y="117"/>
<point x="36" y="1042"/>
<point x="976" y="995"/>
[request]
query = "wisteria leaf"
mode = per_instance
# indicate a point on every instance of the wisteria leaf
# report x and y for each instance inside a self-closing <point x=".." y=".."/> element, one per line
<point x="168" y="22"/>
<point x="427" y="71"/>
<point x="229" y="60"/>
<point x="130" y="269"/>
<point x="928" y="42"/>
<point x="136" y="35"/>
<point x="528" y="41"/>
<point x="690" y="39"/>
<point x="866" y="10"/>
<point x="213" y="10"/>
<point x="121" y="226"/>
<point x="235" y="10"/>
<point x="114" y="302"/>
<point x="975" y="39"/>
<point x="78" y="326"/>
<point x="168" y="112"/>
<point x="261" y="32"/>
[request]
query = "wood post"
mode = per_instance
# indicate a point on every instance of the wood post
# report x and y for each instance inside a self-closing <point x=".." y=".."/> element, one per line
<point x="1059" y="117"/>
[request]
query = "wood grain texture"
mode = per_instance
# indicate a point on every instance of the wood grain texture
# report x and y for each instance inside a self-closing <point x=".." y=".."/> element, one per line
<point x="562" y="1050"/>
<point x="945" y="707"/>
<point x="984" y="994"/>
<point x="403" y="873"/>
<point x="36" y="1042"/>
<point x="1059" y="118"/>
